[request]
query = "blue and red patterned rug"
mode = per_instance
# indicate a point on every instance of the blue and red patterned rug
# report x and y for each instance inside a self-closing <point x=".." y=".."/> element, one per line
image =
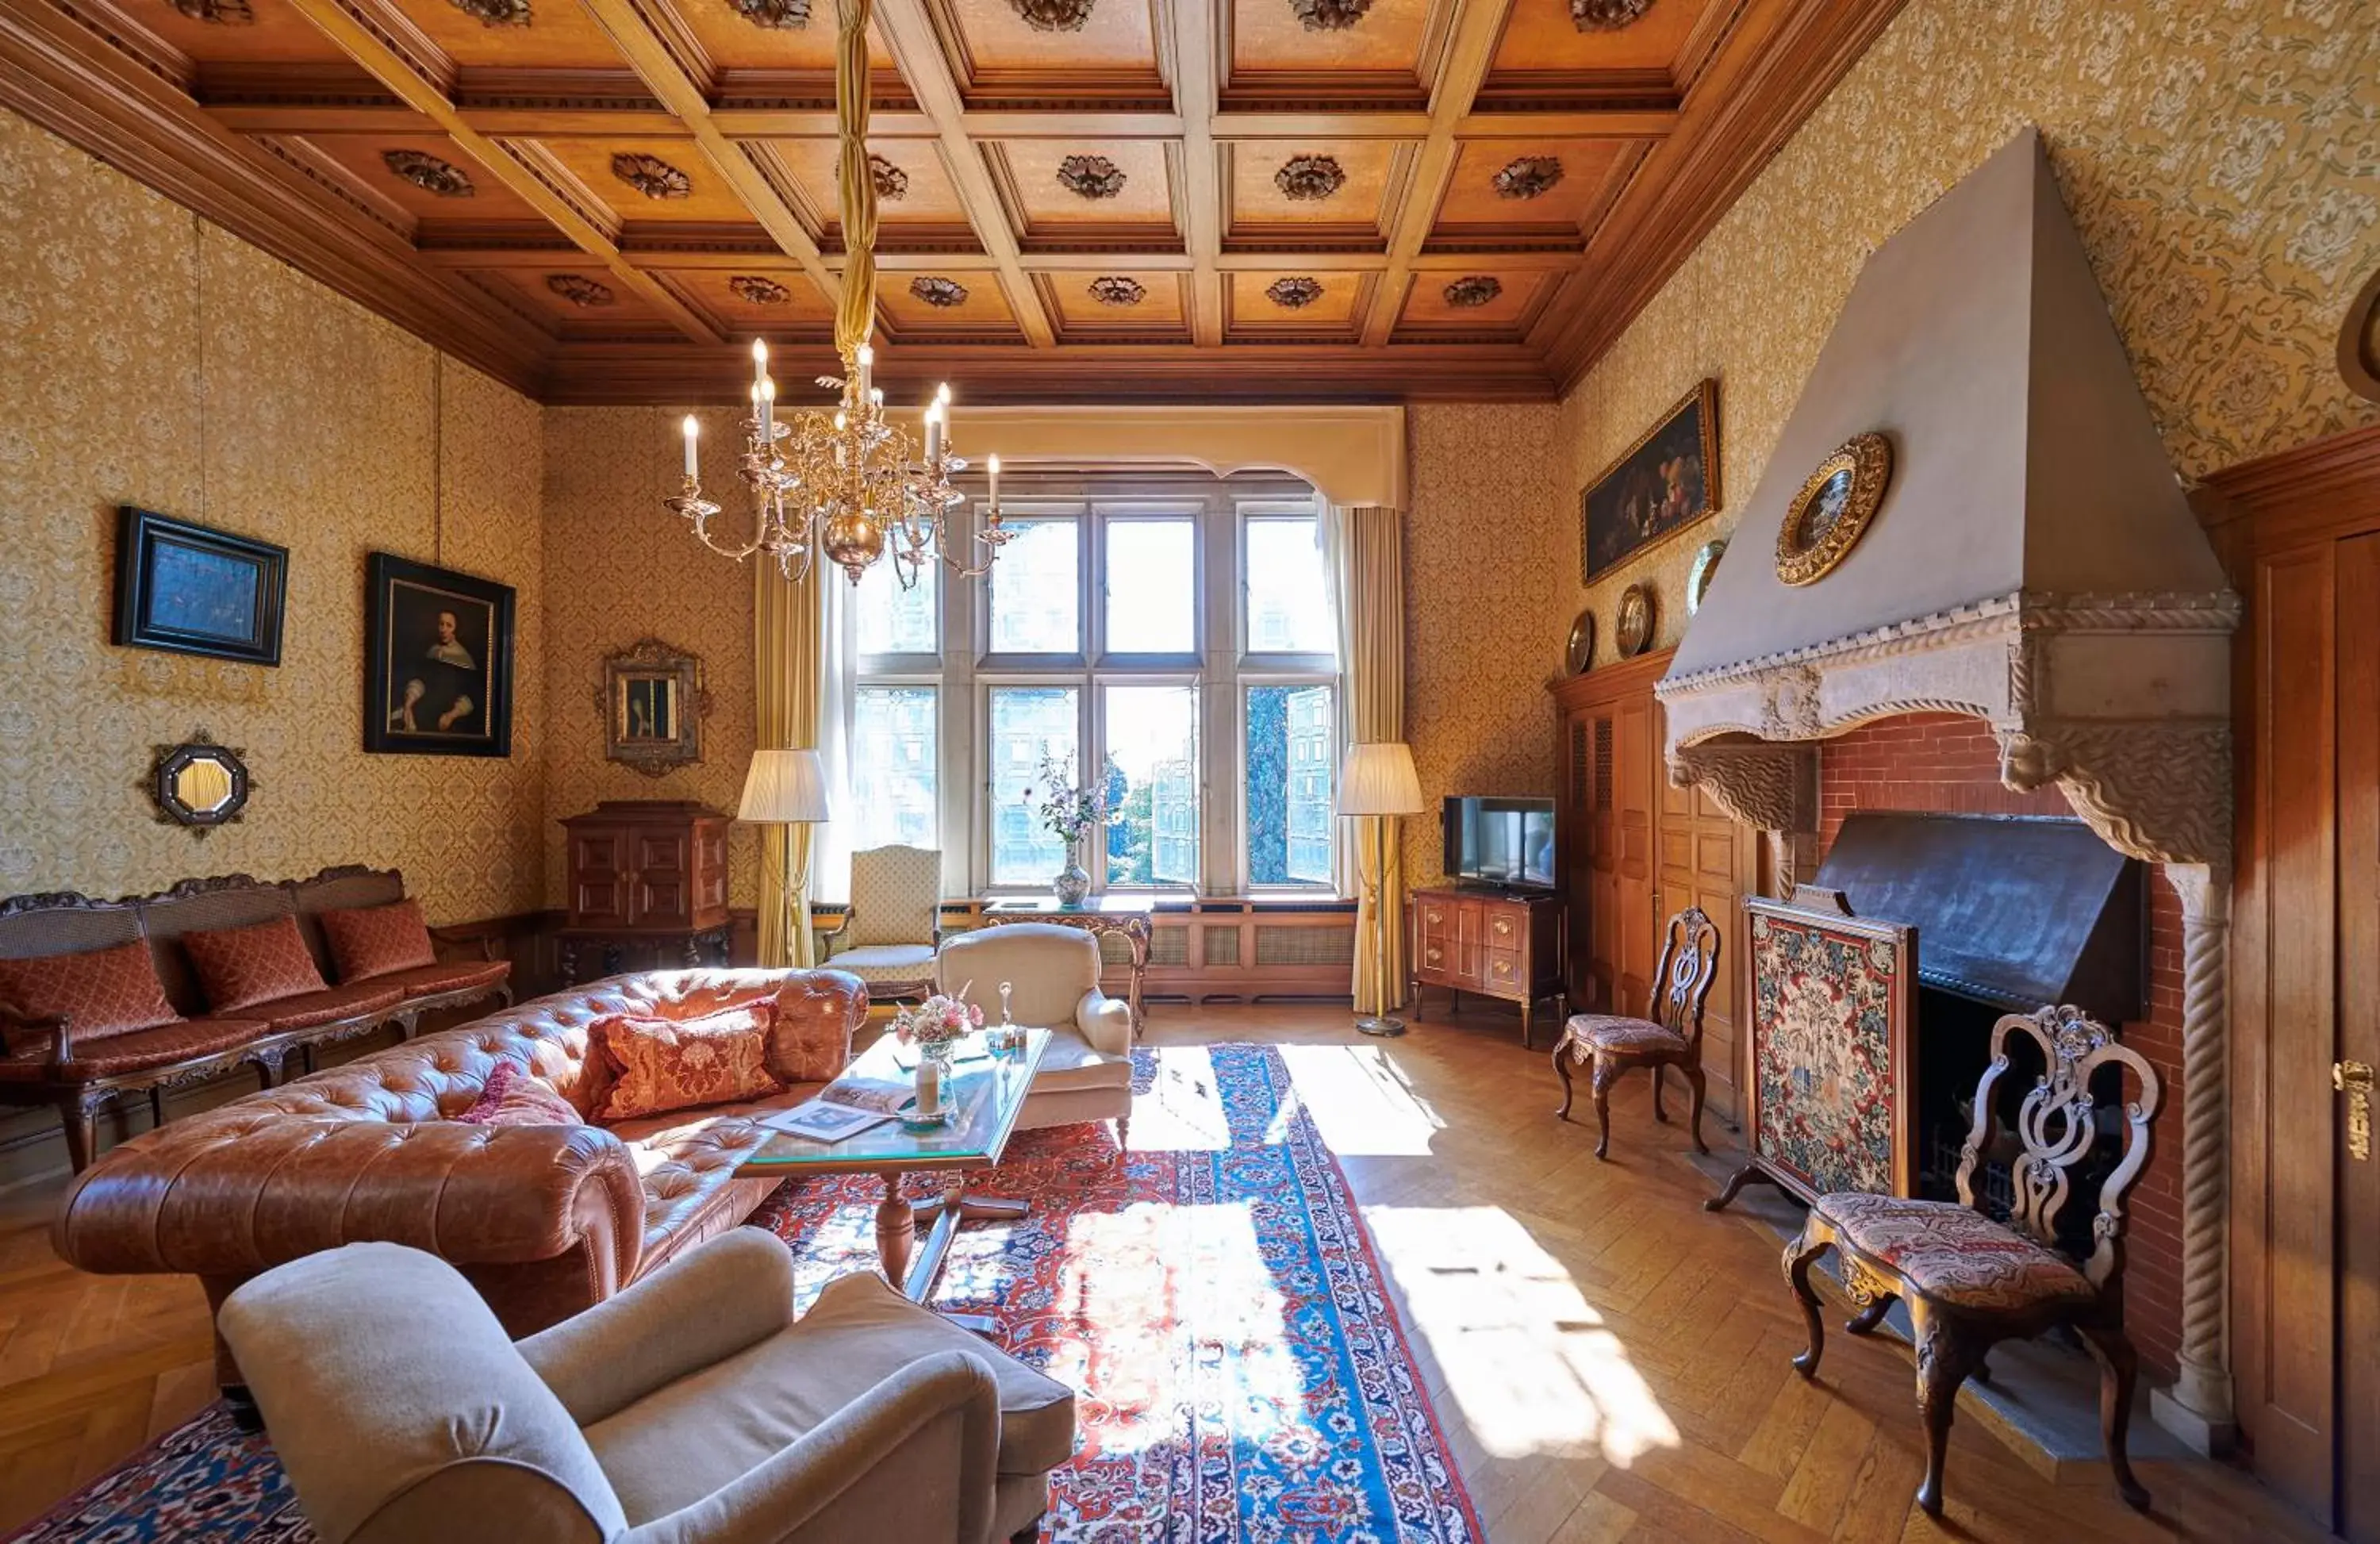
<point x="1214" y="1297"/>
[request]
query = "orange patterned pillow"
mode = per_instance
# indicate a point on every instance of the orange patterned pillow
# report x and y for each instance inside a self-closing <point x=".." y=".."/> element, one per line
<point x="661" y="1064"/>
<point x="101" y="992"/>
<point x="378" y="940"/>
<point x="239" y="968"/>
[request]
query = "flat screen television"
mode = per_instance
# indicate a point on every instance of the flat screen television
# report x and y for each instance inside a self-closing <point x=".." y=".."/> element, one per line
<point x="1505" y="844"/>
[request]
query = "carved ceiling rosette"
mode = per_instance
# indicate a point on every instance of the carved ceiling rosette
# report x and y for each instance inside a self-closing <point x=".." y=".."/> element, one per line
<point x="759" y="291"/>
<point x="651" y="175"/>
<point x="1090" y="176"/>
<point x="428" y="173"/>
<point x="1293" y="293"/>
<point x="1309" y="179"/>
<point x="220" y="13"/>
<point x="891" y="182"/>
<point x="578" y="290"/>
<point x="1475" y="289"/>
<point x="937" y="292"/>
<point x="495" y="13"/>
<point x="1528" y="176"/>
<point x="781" y="15"/>
<point x="1115" y="290"/>
<point x="1606" y="16"/>
<point x="1054" y="15"/>
<point x="1330" y="16"/>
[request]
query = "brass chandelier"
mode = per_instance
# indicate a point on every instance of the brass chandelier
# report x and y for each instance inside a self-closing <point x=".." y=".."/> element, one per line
<point x="848" y="482"/>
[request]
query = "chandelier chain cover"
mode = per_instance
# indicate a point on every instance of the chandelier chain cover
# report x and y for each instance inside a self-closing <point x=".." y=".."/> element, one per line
<point x="848" y="482"/>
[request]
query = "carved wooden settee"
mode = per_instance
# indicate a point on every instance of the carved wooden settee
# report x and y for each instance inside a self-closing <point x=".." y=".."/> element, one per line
<point x="47" y="1062"/>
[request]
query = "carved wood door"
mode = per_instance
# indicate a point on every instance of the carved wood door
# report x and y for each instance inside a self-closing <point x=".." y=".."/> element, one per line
<point x="1637" y="754"/>
<point x="1708" y="860"/>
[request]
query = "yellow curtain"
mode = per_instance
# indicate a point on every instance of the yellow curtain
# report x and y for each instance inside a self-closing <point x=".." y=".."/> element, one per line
<point x="1372" y="650"/>
<point x="788" y="654"/>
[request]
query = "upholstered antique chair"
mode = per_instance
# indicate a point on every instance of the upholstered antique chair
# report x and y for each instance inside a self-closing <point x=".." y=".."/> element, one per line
<point x="1971" y="1282"/>
<point x="694" y="1406"/>
<point x="1614" y="1044"/>
<point x="1054" y="972"/>
<point x="889" y="934"/>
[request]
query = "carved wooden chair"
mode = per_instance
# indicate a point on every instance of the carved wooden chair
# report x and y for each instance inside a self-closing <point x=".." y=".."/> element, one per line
<point x="1614" y="1044"/>
<point x="1971" y="1282"/>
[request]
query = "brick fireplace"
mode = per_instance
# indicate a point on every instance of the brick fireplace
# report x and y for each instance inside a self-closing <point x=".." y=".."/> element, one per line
<point x="1948" y="764"/>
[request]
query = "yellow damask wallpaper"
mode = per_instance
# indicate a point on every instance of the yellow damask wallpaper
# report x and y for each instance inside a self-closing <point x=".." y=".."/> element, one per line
<point x="147" y="357"/>
<point x="2220" y="161"/>
<point x="1488" y="506"/>
<point x="621" y="568"/>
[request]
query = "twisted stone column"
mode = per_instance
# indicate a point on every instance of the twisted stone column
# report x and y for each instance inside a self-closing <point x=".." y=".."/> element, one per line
<point x="2198" y="1406"/>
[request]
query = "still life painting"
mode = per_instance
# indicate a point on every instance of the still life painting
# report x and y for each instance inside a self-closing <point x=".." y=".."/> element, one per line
<point x="439" y="646"/>
<point x="1666" y="481"/>
<point x="1829" y="1050"/>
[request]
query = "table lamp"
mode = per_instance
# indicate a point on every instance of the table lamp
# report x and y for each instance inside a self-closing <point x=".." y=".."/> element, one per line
<point x="1378" y="781"/>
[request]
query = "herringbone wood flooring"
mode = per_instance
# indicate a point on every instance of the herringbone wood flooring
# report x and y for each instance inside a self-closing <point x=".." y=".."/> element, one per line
<point x="1608" y="1361"/>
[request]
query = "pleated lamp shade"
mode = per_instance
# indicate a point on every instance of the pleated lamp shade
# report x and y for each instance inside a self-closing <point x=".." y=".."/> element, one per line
<point x="784" y="787"/>
<point x="1378" y="779"/>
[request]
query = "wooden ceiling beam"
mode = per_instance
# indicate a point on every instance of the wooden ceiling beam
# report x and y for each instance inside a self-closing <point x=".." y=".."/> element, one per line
<point x="918" y="54"/>
<point x="661" y="70"/>
<point x="1197" y="93"/>
<point x="394" y="72"/>
<point x="1470" y="49"/>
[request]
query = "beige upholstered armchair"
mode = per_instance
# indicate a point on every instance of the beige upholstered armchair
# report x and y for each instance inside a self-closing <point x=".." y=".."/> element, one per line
<point x="888" y="935"/>
<point x="1054" y="971"/>
<point x="694" y="1406"/>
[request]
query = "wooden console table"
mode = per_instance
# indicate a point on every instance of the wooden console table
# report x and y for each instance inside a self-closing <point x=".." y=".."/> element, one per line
<point x="1127" y="920"/>
<point x="1482" y="942"/>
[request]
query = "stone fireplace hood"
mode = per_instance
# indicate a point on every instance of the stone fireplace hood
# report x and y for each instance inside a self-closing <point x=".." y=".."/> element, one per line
<point x="2034" y="562"/>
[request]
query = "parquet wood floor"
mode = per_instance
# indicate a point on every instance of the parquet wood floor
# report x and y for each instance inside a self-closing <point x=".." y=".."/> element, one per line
<point x="1608" y="1361"/>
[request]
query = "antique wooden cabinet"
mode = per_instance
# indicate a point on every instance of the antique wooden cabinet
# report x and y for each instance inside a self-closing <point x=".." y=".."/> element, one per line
<point x="648" y="877"/>
<point x="1492" y="944"/>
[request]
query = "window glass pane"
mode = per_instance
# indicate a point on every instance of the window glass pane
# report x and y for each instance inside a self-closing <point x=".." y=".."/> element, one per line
<point x="1028" y="725"/>
<point x="1287" y="592"/>
<point x="1036" y="602"/>
<point x="893" y="620"/>
<point x="1152" y="768"/>
<point x="1291" y="736"/>
<point x="892" y="766"/>
<point x="1152" y="583"/>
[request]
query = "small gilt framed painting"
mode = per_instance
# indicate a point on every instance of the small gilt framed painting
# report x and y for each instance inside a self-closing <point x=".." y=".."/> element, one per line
<point x="653" y="703"/>
<point x="1829" y="514"/>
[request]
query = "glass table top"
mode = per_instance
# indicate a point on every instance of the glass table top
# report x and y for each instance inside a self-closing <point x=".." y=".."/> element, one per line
<point x="989" y="1087"/>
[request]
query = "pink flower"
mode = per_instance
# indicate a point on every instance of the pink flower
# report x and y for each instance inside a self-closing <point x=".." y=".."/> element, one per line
<point x="975" y="1014"/>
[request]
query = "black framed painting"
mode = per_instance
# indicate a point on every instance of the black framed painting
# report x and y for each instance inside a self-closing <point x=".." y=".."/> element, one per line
<point x="1664" y="483"/>
<point x="191" y="590"/>
<point x="438" y="649"/>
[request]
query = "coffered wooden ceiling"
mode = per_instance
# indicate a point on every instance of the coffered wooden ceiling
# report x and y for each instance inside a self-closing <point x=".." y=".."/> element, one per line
<point x="600" y="200"/>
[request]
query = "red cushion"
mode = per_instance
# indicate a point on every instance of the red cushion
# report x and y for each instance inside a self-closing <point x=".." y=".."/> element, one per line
<point x="378" y="940"/>
<point x="514" y="1098"/>
<point x="310" y="1009"/>
<point x="430" y="981"/>
<point x="659" y="1065"/>
<point x="241" y="966"/>
<point x="101" y="992"/>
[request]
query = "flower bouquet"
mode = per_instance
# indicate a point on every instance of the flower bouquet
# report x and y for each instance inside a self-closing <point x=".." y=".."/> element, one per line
<point x="1071" y="813"/>
<point x="934" y="1026"/>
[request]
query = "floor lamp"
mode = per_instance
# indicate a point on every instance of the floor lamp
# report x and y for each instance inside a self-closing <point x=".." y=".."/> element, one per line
<point x="1376" y="782"/>
<point x="785" y="788"/>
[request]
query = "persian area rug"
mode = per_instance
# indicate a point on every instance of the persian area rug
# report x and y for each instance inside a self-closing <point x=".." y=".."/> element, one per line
<point x="1214" y="1298"/>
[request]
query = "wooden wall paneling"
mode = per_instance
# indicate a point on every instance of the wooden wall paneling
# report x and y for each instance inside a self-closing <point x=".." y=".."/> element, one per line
<point x="2358" y="583"/>
<point x="1636" y="753"/>
<point x="1709" y="860"/>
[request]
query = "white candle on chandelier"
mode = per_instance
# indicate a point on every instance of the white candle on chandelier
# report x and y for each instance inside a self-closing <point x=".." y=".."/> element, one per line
<point x="767" y="415"/>
<point x="760" y="364"/>
<point x="865" y="359"/>
<point x="933" y="432"/>
<point x="692" y="429"/>
<point x="992" y="465"/>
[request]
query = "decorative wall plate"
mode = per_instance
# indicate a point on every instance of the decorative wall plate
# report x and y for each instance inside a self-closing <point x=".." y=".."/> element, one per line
<point x="1698" y="578"/>
<point x="1631" y="631"/>
<point x="1829" y="516"/>
<point x="2358" y="342"/>
<point x="1579" y="652"/>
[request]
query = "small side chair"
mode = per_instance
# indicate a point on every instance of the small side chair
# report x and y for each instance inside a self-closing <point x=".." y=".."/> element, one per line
<point x="1969" y="1282"/>
<point x="889" y="935"/>
<point x="1613" y="1044"/>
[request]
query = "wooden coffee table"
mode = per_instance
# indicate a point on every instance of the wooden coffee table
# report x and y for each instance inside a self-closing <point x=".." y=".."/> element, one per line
<point x="990" y="1092"/>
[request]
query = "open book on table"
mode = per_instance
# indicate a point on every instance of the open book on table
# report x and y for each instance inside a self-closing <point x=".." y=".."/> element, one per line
<point x="843" y="1108"/>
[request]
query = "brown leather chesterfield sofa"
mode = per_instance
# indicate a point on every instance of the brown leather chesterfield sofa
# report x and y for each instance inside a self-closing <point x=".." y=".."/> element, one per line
<point x="542" y="1221"/>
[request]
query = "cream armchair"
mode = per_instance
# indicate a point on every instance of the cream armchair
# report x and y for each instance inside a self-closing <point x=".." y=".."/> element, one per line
<point x="692" y="1406"/>
<point x="889" y="935"/>
<point x="1054" y="971"/>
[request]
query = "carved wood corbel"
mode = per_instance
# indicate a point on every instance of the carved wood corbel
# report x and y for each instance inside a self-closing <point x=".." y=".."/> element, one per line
<point x="1770" y="786"/>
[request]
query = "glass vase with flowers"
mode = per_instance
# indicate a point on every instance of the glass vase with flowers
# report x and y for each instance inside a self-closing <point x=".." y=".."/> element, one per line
<point x="935" y="1027"/>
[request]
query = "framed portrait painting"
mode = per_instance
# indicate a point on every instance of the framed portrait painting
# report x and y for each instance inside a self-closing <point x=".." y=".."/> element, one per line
<point x="438" y="649"/>
<point x="1665" y="482"/>
<point x="191" y="590"/>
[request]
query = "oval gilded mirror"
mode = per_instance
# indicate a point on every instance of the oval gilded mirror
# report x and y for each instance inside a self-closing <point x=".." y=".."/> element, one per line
<point x="198" y="783"/>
